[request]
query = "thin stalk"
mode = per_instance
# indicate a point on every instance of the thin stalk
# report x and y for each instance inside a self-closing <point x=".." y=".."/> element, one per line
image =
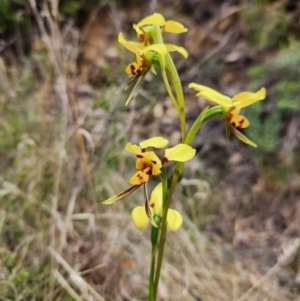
<point x="151" y="275"/>
<point x="167" y="85"/>
<point x="166" y="64"/>
<point x="163" y="229"/>
<point x="172" y="72"/>
<point x="205" y="115"/>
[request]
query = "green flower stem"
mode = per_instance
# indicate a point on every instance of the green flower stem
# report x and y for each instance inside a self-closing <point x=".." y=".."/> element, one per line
<point x="205" y="115"/>
<point x="163" y="233"/>
<point x="154" y="238"/>
<point x="166" y="64"/>
<point x="151" y="275"/>
<point x="167" y="85"/>
<point x="172" y="71"/>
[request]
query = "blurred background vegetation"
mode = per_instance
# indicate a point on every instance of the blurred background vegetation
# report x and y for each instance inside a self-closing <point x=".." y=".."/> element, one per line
<point x="63" y="128"/>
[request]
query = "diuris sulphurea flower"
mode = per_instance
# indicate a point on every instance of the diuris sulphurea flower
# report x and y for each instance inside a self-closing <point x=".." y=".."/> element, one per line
<point x="231" y="108"/>
<point x="148" y="164"/>
<point x="150" y="49"/>
<point x="145" y="26"/>
<point x="141" y="219"/>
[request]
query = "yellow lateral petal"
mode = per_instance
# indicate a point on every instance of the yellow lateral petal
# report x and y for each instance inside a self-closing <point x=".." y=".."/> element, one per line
<point x="244" y="99"/>
<point x="158" y="48"/>
<point x="180" y="152"/>
<point x="174" y="219"/>
<point x="181" y="50"/>
<point x="238" y="98"/>
<point x="157" y="142"/>
<point x="134" y="47"/>
<point x="174" y="27"/>
<point x="211" y="95"/>
<point x="217" y="97"/>
<point x="153" y="19"/>
<point x="139" y="217"/>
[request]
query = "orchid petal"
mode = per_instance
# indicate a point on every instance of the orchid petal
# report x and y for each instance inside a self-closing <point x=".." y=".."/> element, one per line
<point x="151" y="20"/>
<point x="238" y="121"/>
<point x="137" y="79"/>
<point x="180" y="152"/>
<point x="134" y="47"/>
<point x="141" y="163"/>
<point x="211" y="95"/>
<point x="132" y="148"/>
<point x="139" y="178"/>
<point x="157" y="142"/>
<point x="174" y="27"/>
<point x="217" y="97"/>
<point x="158" y="48"/>
<point x="201" y="88"/>
<point x="181" y="50"/>
<point x="242" y="137"/>
<point x="246" y="99"/>
<point x="121" y="195"/>
<point x="174" y="219"/>
<point x="139" y="217"/>
<point x="156" y="200"/>
<point x="154" y="161"/>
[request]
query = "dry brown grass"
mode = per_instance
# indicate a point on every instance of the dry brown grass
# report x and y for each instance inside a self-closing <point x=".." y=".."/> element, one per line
<point x="62" y="154"/>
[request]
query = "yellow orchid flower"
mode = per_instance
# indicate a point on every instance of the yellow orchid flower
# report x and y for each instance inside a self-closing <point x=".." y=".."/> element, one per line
<point x="144" y="55"/>
<point x="141" y="219"/>
<point x="166" y="26"/>
<point x="232" y="107"/>
<point x="147" y="50"/>
<point x="158" y="19"/>
<point x="148" y="164"/>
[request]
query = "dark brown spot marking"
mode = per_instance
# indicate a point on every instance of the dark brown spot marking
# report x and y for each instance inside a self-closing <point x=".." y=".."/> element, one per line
<point x="149" y="172"/>
<point x="132" y="70"/>
<point x="240" y="123"/>
<point x="229" y="116"/>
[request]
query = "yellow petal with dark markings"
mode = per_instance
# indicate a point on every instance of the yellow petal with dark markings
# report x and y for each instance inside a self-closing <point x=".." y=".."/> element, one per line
<point x="139" y="178"/>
